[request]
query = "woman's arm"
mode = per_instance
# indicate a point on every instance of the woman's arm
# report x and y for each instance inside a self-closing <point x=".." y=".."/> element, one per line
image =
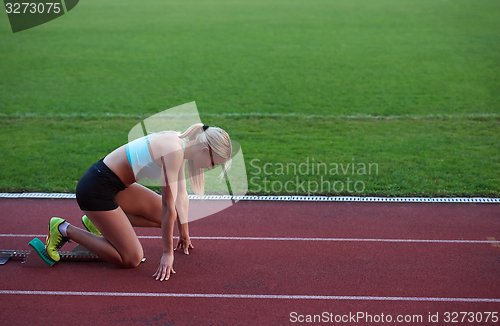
<point x="182" y="201"/>
<point x="182" y="206"/>
<point x="169" y="189"/>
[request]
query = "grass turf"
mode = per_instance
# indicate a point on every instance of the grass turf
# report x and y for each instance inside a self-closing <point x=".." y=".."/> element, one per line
<point x="431" y="66"/>
<point x="417" y="157"/>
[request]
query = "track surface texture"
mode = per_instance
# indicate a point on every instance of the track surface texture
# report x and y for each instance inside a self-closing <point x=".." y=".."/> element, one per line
<point x="271" y="263"/>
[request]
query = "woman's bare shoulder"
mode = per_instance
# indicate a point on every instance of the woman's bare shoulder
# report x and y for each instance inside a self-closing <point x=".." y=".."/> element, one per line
<point x="166" y="144"/>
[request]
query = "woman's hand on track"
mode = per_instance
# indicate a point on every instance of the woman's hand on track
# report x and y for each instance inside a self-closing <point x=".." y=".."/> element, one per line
<point x="184" y="243"/>
<point x="166" y="267"/>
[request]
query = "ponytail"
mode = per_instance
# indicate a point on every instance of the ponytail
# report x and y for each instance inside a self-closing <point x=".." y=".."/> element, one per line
<point x="192" y="131"/>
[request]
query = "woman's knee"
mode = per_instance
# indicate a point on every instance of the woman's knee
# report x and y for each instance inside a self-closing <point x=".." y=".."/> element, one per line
<point x="132" y="260"/>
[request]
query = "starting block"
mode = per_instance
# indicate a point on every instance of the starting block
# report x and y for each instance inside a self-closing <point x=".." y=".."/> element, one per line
<point x="38" y="256"/>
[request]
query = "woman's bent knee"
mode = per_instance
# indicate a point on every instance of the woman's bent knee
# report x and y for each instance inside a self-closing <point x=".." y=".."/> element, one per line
<point x="131" y="261"/>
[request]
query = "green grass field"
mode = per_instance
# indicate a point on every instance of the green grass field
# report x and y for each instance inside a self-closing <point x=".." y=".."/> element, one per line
<point x="411" y="87"/>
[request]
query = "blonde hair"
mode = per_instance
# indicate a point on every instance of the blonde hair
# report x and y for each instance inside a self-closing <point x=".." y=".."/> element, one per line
<point x="218" y="141"/>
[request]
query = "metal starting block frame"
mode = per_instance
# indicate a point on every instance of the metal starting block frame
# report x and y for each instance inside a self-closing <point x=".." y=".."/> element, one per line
<point x="31" y="258"/>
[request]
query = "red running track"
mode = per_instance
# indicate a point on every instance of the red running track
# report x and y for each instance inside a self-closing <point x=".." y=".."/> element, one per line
<point x="256" y="264"/>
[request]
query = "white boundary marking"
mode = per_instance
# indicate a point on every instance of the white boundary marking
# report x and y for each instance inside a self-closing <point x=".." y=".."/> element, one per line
<point x="255" y="114"/>
<point x="246" y="296"/>
<point x="10" y="235"/>
<point x="38" y="195"/>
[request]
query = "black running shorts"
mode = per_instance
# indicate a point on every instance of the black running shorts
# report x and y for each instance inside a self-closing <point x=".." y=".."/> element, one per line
<point x="97" y="188"/>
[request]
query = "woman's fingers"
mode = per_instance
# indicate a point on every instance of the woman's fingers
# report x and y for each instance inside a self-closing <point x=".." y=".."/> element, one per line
<point x="186" y="245"/>
<point x="165" y="269"/>
<point x="165" y="274"/>
<point x="161" y="273"/>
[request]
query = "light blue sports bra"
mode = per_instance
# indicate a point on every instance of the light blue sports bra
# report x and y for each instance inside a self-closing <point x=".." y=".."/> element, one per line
<point x="140" y="159"/>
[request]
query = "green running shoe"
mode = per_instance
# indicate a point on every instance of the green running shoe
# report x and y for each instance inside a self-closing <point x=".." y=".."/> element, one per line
<point x="90" y="226"/>
<point x="55" y="240"/>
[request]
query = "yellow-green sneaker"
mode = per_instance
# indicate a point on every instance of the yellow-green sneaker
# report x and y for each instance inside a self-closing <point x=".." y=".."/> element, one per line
<point x="55" y="240"/>
<point x="90" y="226"/>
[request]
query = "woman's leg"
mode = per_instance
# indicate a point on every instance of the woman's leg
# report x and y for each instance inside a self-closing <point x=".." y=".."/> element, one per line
<point x="139" y="207"/>
<point x="118" y="244"/>
<point x="142" y="206"/>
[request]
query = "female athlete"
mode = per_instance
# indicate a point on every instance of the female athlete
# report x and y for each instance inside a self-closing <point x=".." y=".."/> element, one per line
<point x="113" y="203"/>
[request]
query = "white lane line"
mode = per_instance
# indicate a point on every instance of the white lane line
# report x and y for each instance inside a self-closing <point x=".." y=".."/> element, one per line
<point x="290" y="239"/>
<point x="359" y="116"/>
<point x="246" y="296"/>
<point x="480" y="200"/>
<point x="10" y="235"/>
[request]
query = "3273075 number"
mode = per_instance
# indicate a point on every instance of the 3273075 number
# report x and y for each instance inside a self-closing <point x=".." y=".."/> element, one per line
<point x="33" y="8"/>
<point x="471" y="317"/>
